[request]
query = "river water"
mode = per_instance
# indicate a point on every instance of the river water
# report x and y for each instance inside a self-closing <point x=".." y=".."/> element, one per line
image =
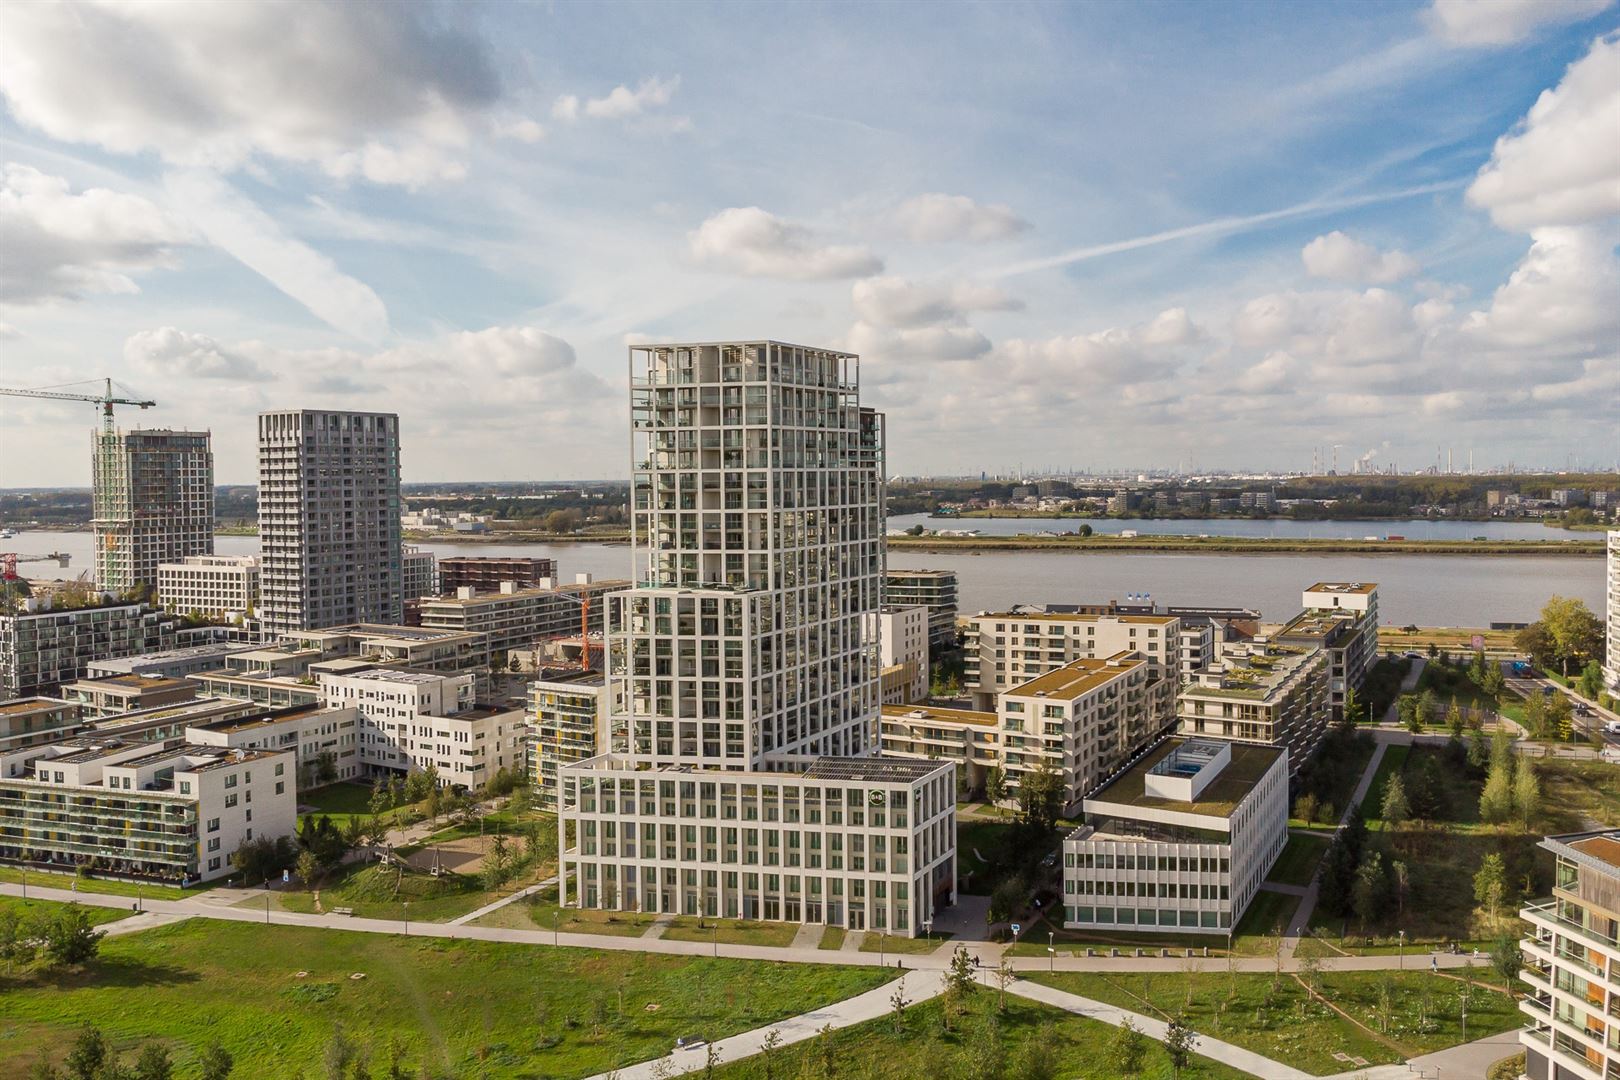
<point x="1430" y="590"/>
<point x="1279" y="528"/>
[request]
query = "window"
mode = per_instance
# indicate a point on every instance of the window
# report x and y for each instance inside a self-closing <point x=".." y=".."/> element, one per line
<point x="185" y="787"/>
<point x="213" y="824"/>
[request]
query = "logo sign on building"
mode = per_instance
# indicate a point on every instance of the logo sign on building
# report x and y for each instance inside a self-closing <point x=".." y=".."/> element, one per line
<point x="1478" y="641"/>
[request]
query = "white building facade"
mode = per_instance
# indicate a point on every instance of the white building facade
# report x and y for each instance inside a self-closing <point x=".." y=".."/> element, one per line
<point x="153" y="502"/>
<point x="742" y="662"/>
<point x="216" y="586"/>
<point x="1009" y="648"/>
<point x="901" y="634"/>
<point x="1611" y="670"/>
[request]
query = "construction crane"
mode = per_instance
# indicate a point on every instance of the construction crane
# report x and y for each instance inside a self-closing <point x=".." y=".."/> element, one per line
<point x="10" y="559"/>
<point x="106" y="399"/>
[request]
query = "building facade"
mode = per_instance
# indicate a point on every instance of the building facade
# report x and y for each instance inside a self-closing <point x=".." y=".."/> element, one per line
<point x="420" y="573"/>
<point x="168" y="811"/>
<point x="932" y="589"/>
<point x="1007" y="649"/>
<point x="42" y="647"/>
<point x="1572" y="963"/>
<point x="1352" y="644"/>
<point x="902" y="639"/>
<point x="512" y="618"/>
<point x="33" y="720"/>
<point x="1261" y="692"/>
<point x="215" y="586"/>
<point x="740" y="665"/>
<point x="569" y="722"/>
<point x="152" y="502"/>
<point x="126" y="693"/>
<point x="1611" y="670"/>
<point x="967" y="737"/>
<point x="329" y="519"/>
<point x="486" y="572"/>
<point x="324" y="742"/>
<point x="1180" y="841"/>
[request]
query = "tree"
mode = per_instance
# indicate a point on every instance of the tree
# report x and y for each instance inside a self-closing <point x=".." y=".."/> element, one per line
<point x="1535" y="716"/>
<point x="1352" y="708"/>
<point x="1037" y="1060"/>
<point x="767" y="1052"/>
<point x="1590" y="683"/>
<point x="1496" y="801"/>
<point x="1396" y="810"/>
<point x="1560" y="718"/>
<point x="1454" y="718"/>
<point x="1478" y="752"/>
<point x="325" y="767"/>
<point x="1004" y="978"/>
<point x="341" y="1053"/>
<point x="1536" y="642"/>
<point x="153" y="1063"/>
<point x="1179" y="1042"/>
<point x="70" y="938"/>
<point x="1490" y="884"/>
<point x="1370" y="889"/>
<point x="897" y="1005"/>
<point x="1305" y="807"/>
<point x="1040" y="797"/>
<point x="1127" y="1050"/>
<point x="88" y="1055"/>
<point x="263" y="858"/>
<point x="959" y="985"/>
<point x="16" y="941"/>
<point x="308" y="867"/>
<point x="1006" y="899"/>
<point x="216" y="1062"/>
<point x="1526" y="794"/>
<point x="563" y="521"/>
<point x="1403" y="885"/>
<point x="1577" y="634"/>
<point x="995" y="785"/>
<point x="1506" y="958"/>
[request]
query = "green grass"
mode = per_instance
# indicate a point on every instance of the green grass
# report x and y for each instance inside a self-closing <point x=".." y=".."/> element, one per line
<point x="477" y="1010"/>
<point x="1272" y="1015"/>
<point x="731" y="931"/>
<point x="1264" y="923"/>
<point x="875" y="1050"/>
<point x="1576" y="792"/>
<point x="544" y="914"/>
<point x="374" y="891"/>
<point x="340" y="802"/>
<point x="104" y="886"/>
<point x="832" y="938"/>
<point x="896" y="946"/>
<point x="1394" y="761"/>
<point x="30" y="909"/>
<point x="1297" y="863"/>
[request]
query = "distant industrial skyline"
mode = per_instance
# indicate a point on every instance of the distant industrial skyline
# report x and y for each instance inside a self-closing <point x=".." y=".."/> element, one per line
<point x="1088" y="234"/>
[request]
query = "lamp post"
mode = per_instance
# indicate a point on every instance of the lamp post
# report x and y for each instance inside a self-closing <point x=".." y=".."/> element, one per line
<point x="407" y="918"/>
<point x="716" y="929"/>
<point x="267" y="901"/>
<point x="1401" y="949"/>
<point x="1051" y="949"/>
<point x="883" y="941"/>
<point x="556" y="925"/>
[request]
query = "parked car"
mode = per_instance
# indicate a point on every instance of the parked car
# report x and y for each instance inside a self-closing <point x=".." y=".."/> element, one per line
<point x="1612" y="727"/>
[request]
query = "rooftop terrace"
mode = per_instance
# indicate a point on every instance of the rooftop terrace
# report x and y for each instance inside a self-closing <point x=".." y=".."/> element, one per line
<point x="1079" y="677"/>
<point x="1220" y="796"/>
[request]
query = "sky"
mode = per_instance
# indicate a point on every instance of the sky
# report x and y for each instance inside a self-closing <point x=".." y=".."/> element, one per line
<point x="1091" y="236"/>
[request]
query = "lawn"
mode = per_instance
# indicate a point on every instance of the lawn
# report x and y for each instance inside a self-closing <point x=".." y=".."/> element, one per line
<point x="1578" y="793"/>
<point x="1272" y="1014"/>
<point x="876" y="1050"/>
<point x="104" y="886"/>
<point x="976" y="836"/>
<point x="1264" y="923"/>
<point x="832" y="938"/>
<point x="1393" y="762"/>
<point x="731" y="931"/>
<point x="30" y="909"/>
<point x="373" y="891"/>
<point x="896" y="946"/>
<point x="340" y="802"/>
<point x="1297" y="863"/>
<point x="544" y="914"/>
<point x="477" y="1010"/>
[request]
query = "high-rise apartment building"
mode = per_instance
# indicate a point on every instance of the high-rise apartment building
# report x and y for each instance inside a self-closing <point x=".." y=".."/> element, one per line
<point x="329" y="520"/>
<point x="740" y="666"/>
<point x="1611" y="670"/>
<point x="153" y="502"/>
<point x="1572" y="963"/>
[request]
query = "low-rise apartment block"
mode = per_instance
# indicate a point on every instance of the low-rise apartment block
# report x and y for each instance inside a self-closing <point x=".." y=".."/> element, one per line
<point x="932" y="589"/>
<point x="324" y="742"/>
<point x="1343" y="615"/>
<point x="864" y="843"/>
<point x="34" y="720"/>
<point x="970" y="738"/>
<point x="1007" y="649"/>
<point x="42" y="647"/>
<point x="169" y="811"/>
<point x="569" y="722"/>
<point x="170" y="663"/>
<point x="1261" y="692"/>
<point x="413" y="720"/>
<point x="486" y="572"/>
<point x="1178" y="842"/>
<point x="901" y="635"/>
<point x="1083" y="721"/>
<point x="515" y="618"/>
<point x="419" y="572"/>
<point x="215" y="586"/>
<point x="1572" y="963"/>
<point x="126" y="693"/>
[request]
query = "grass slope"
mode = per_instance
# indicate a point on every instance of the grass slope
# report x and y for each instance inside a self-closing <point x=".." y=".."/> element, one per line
<point x="474" y="1010"/>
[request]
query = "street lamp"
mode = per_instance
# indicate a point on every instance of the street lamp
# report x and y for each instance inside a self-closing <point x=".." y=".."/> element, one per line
<point x="407" y="918"/>
<point x="716" y="938"/>
<point x="1051" y="948"/>
<point x="556" y="924"/>
<point x="1401" y="950"/>
<point x="883" y="940"/>
<point x="267" y="901"/>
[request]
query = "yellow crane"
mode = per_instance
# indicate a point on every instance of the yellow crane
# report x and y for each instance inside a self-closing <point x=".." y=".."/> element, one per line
<point x="107" y="399"/>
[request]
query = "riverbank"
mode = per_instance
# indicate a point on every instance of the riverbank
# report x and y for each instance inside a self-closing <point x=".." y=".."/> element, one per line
<point x="1235" y="545"/>
<point x="514" y="537"/>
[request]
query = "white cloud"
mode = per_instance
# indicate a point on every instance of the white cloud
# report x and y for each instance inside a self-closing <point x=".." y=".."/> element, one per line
<point x="1504" y="22"/>
<point x="884" y="344"/>
<point x="370" y="90"/>
<point x="898" y="302"/>
<point x="1342" y="258"/>
<point x="57" y="245"/>
<point x="1562" y="295"/>
<point x="936" y="218"/>
<point x="1561" y="164"/>
<point x="168" y="353"/>
<point x="250" y="235"/>
<point x="748" y="240"/>
<point x="621" y="103"/>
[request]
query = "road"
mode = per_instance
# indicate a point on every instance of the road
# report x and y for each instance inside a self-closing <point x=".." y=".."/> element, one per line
<point x="1596" y="717"/>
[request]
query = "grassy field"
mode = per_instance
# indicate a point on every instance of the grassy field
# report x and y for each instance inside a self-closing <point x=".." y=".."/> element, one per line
<point x="920" y="1047"/>
<point x="373" y="891"/>
<point x="1273" y="1016"/>
<point x="543" y="913"/>
<point x="1297" y="864"/>
<point x="340" y="802"/>
<point x="731" y="931"/>
<point x="481" y="1010"/>
<point x="106" y="887"/>
<point x="1578" y="794"/>
<point x="30" y="909"/>
<point x="832" y="938"/>
<point x="898" y="946"/>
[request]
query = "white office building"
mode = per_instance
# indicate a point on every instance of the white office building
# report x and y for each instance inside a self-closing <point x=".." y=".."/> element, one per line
<point x="748" y="684"/>
<point x="1180" y="841"/>
<point x="214" y="586"/>
<point x="329" y="519"/>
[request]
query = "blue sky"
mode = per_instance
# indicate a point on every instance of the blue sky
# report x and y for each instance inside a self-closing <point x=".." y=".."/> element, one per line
<point x="1070" y="236"/>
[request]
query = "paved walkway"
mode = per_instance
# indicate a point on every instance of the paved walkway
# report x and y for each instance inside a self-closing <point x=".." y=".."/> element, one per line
<point x="917" y="986"/>
<point x="145" y="921"/>
<point x="808" y="936"/>
<point x="1470" y="1061"/>
<point x="471" y="916"/>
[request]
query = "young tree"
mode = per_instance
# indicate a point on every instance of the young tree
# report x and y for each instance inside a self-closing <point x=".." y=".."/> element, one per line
<point x="1305" y="807"/>
<point x="153" y="1063"/>
<point x="1004" y="978"/>
<point x="1590" y="683"/>
<point x="1560" y="718"/>
<point x="1478" y="752"/>
<point x="1535" y="716"/>
<point x="995" y="785"/>
<point x="1040" y="797"/>
<point x="1179" y="1043"/>
<point x="1370" y="889"/>
<point x="1526" y="793"/>
<point x="308" y="867"/>
<point x="767" y="1053"/>
<point x="216" y="1062"/>
<point x="1352" y="708"/>
<point x="1454" y="718"/>
<point x="1577" y="634"/>
<point x="897" y="1006"/>
<point x="1127" y="1050"/>
<point x="70" y="938"/>
<point x="1490" y="884"/>
<point x="1496" y="800"/>
<point x="16" y="940"/>
<point x="88" y="1055"/>
<point x="1037" y="1060"/>
<point x="1396" y="810"/>
<point x="1403" y="885"/>
<point x="1507" y="958"/>
<point x="340" y="1055"/>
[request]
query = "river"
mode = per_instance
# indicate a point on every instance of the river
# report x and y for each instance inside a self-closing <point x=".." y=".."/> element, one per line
<point x="1278" y="528"/>
<point x="1430" y="590"/>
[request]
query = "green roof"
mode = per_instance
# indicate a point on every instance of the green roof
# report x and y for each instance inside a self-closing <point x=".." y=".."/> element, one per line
<point x="1220" y="798"/>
